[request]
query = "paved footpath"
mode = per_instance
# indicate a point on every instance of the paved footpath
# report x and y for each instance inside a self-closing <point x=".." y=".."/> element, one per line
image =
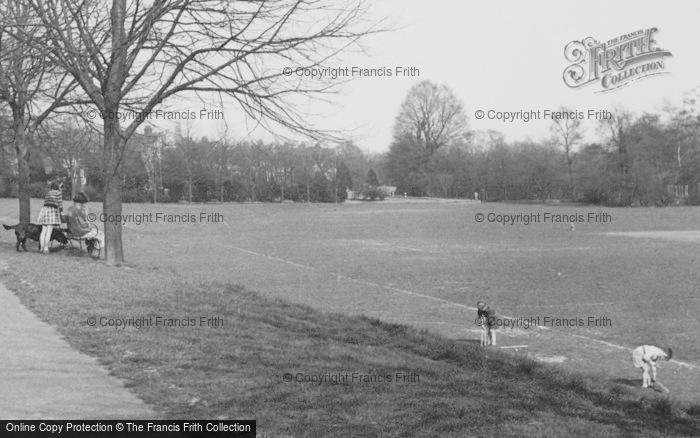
<point x="42" y="377"/>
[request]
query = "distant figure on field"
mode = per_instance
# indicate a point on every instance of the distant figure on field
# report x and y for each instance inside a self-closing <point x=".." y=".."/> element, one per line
<point x="488" y="323"/>
<point x="476" y="196"/>
<point x="645" y="357"/>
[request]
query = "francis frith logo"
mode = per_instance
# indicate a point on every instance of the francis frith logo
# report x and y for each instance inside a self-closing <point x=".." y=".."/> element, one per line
<point x="615" y="63"/>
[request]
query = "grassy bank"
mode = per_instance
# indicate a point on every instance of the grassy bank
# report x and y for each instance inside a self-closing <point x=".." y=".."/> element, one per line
<point x="232" y="364"/>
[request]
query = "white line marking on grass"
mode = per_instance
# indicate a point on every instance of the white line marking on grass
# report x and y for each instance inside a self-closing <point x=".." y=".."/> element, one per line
<point x="545" y="249"/>
<point x="429" y="297"/>
<point x="604" y="303"/>
<point x="266" y="256"/>
<point x="687" y="365"/>
<point x="388" y="244"/>
<point x="609" y="303"/>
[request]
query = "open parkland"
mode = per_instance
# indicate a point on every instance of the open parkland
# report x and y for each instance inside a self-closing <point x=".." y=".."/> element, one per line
<point x="579" y="296"/>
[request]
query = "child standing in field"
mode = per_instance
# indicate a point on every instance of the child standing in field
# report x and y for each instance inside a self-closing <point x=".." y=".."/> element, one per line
<point x="488" y="322"/>
<point x="50" y="214"/>
<point x="645" y="357"/>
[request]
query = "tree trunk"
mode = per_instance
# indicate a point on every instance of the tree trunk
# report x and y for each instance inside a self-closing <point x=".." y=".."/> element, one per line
<point x="112" y="204"/>
<point x="23" y="154"/>
<point x="75" y="182"/>
<point x="114" y="143"/>
<point x="25" y="208"/>
<point x="571" y="179"/>
<point x="189" y="189"/>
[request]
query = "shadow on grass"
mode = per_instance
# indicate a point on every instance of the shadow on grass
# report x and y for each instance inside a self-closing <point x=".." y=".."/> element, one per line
<point x="469" y="341"/>
<point x="74" y="251"/>
<point x="632" y="383"/>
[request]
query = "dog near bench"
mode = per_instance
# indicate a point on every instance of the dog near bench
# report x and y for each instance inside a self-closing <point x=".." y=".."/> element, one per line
<point x="24" y="230"/>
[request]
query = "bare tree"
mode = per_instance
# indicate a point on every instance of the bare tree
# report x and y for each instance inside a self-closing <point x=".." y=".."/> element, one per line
<point x="191" y="153"/>
<point x="287" y="161"/>
<point x="67" y="141"/>
<point x="324" y="159"/>
<point x="684" y="124"/>
<point x="134" y="54"/>
<point x="567" y="135"/>
<point x="616" y="130"/>
<point x="218" y="160"/>
<point x="29" y="85"/>
<point x="152" y="153"/>
<point x="432" y="116"/>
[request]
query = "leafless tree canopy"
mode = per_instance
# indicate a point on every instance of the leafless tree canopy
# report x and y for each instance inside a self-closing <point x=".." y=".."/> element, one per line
<point x="431" y="115"/>
<point x="30" y="85"/>
<point x="160" y="48"/>
<point x="568" y="135"/>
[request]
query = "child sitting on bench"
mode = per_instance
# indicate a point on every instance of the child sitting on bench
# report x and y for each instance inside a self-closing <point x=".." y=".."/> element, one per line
<point x="79" y="226"/>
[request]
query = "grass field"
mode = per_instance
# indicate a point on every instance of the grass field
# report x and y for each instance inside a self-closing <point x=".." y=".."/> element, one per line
<point x="419" y="263"/>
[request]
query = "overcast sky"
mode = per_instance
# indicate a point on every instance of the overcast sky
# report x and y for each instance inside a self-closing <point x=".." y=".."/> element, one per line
<point x="506" y="56"/>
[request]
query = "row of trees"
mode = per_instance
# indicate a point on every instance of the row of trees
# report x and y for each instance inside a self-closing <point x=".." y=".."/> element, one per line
<point x="636" y="159"/>
<point x="172" y="167"/>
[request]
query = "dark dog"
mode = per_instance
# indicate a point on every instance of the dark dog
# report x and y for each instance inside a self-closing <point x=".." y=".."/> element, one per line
<point x="33" y="231"/>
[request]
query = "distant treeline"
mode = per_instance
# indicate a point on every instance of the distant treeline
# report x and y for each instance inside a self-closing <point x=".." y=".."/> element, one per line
<point x="162" y="167"/>
<point x="638" y="159"/>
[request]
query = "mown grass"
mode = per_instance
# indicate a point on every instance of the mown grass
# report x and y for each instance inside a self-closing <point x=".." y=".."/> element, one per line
<point x="236" y="370"/>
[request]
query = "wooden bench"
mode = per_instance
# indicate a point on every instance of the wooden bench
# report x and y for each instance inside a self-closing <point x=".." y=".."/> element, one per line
<point x="89" y="242"/>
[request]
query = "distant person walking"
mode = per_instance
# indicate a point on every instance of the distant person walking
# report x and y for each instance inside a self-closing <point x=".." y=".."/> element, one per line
<point x="50" y="214"/>
<point x="645" y="357"/>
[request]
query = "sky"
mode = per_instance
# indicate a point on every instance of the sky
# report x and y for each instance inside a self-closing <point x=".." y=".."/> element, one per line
<point x="501" y="56"/>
